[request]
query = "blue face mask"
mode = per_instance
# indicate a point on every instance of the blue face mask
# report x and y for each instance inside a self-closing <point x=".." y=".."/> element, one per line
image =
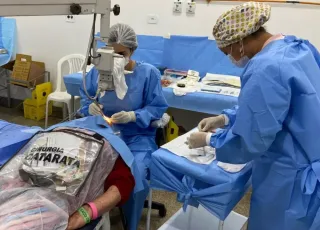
<point x="242" y="62"/>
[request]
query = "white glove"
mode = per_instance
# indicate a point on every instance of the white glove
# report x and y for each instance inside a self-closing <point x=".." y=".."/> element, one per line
<point x="162" y="122"/>
<point x="94" y="109"/>
<point x="212" y="123"/>
<point x="197" y="140"/>
<point x="123" y="117"/>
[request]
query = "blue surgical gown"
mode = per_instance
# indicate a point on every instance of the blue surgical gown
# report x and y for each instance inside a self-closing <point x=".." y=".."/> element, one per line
<point x="276" y="126"/>
<point x="146" y="99"/>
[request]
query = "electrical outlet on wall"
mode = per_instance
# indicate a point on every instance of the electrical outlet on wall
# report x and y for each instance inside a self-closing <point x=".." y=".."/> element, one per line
<point x="153" y="19"/>
<point x="177" y="6"/>
<point x="191" y="7"/>
<point x="71" y="19"/>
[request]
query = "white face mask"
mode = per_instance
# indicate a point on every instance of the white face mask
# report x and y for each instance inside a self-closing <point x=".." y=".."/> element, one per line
<point x="127" y="60"/>
<point x="243" y="61"/>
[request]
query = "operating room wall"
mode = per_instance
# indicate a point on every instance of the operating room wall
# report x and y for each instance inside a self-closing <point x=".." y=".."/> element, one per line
<point x="285" y="18"/>
<point x="50" y="38"/>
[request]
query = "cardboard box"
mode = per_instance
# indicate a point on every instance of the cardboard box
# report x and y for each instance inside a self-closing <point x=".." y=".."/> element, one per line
<point x="25" y="69"/>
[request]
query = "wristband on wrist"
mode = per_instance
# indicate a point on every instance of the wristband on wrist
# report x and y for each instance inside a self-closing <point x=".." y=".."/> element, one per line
<point x="226" y="120"/>
<point x="85" y="215"/>
<point x="208" y="138"/>
<point x="94" y="210"/>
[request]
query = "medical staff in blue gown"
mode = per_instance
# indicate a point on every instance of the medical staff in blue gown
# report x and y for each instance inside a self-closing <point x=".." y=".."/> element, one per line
<point x="276" y="124"/>
<point x="142" y="104"/>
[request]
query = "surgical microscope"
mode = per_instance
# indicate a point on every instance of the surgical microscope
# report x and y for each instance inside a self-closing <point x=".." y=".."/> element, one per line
<point x="102" y="58"/>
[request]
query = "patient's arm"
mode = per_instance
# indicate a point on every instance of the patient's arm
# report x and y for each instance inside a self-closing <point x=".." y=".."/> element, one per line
<point x="118" y="186"/>
<point x="104" y="204"/>
<point x="122" y="178"/>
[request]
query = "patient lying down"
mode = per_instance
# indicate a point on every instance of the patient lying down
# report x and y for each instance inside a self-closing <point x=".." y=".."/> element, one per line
<point x="62" y="179"/>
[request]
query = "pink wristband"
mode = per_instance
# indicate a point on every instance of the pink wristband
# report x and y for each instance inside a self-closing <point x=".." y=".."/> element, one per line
<point x="94" y="210"/>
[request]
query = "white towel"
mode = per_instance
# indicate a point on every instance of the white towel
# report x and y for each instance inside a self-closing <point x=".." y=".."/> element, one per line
<point x="231" y="167"/>
<point x="178" y="147"/>
<point x="183" y="91"/>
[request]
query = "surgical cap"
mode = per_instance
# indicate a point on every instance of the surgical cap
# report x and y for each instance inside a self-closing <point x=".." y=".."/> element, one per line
<point x="124" y="35"/>
<point x="239" y="22"/>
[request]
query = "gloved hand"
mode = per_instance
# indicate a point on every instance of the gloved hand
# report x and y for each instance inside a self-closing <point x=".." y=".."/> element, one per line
<point x="211" y="123"/>
<point x="94" y="109"/>
<point x="162" y="122"/>
<point x="197" y="140"/>
<point x="123" y="117"/>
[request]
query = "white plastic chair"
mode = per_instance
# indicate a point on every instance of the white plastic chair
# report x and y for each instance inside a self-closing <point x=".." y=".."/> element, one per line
<point x="75" y="63"/>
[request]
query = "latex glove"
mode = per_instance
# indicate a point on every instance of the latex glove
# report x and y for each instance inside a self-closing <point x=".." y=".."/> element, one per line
<point x="197" y="140"/>
<point x="123" y="117"/>
<point x="94" y="109"/>
<point x="162" y="122"/>
<point x="211" y="123"/>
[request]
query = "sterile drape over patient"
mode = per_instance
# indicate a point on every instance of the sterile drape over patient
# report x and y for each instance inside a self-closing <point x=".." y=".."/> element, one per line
<point x="49" y="179"/>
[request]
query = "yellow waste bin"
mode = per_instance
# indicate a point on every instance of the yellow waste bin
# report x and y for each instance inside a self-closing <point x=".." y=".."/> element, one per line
<point x="34" y="111"/>
<point x="41" y="92"/>
<point x="172" y="131"/>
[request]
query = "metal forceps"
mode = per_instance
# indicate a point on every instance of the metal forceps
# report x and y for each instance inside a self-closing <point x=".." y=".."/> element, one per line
<point x="107" y="119"/>
<point x="101" y="111"/>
